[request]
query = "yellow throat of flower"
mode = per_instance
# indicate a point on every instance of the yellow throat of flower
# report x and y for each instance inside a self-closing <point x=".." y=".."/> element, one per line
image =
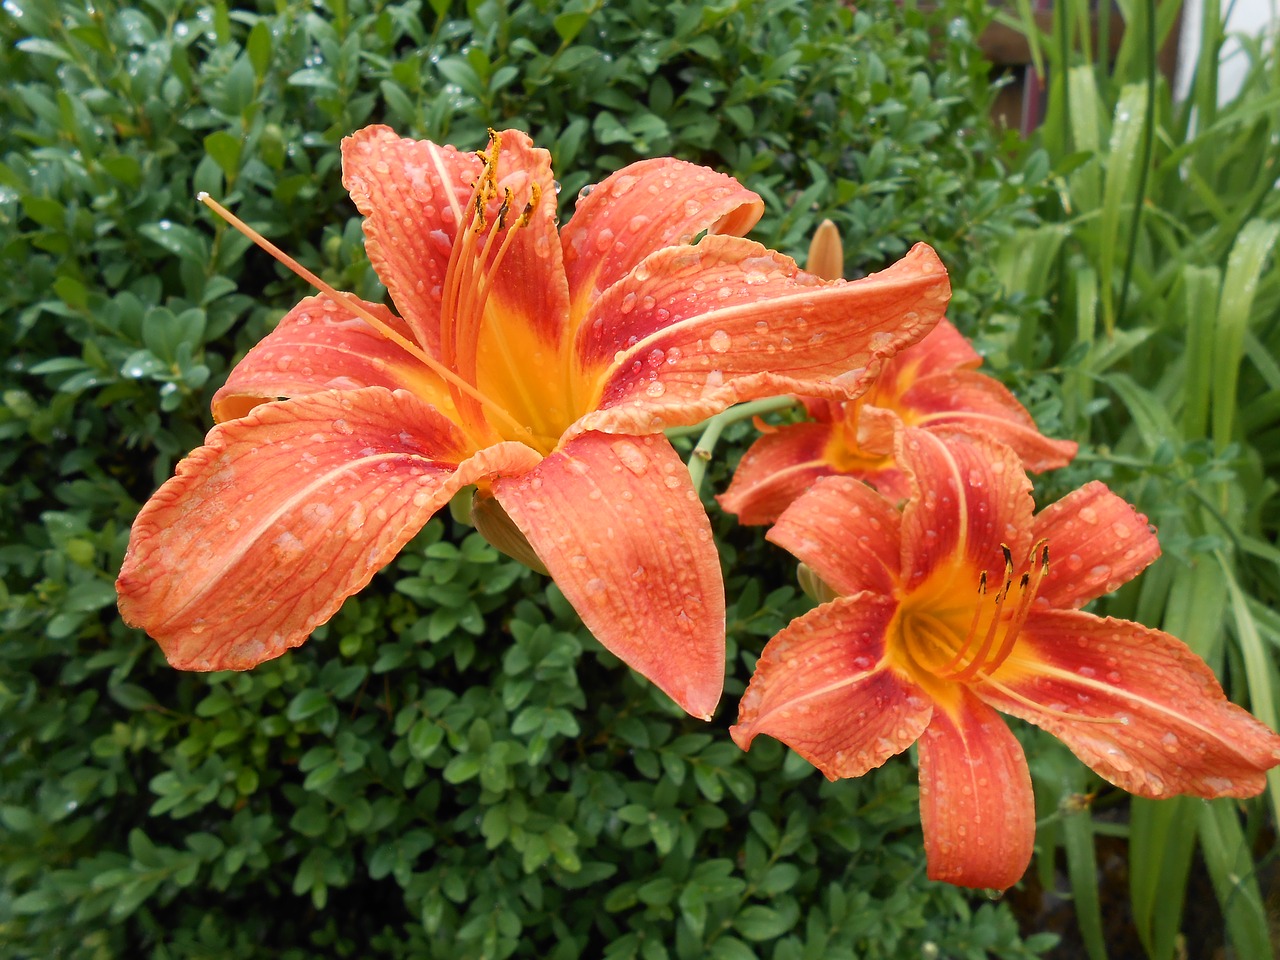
<point x="501" y="398"/>
<point x="944" y="636"/>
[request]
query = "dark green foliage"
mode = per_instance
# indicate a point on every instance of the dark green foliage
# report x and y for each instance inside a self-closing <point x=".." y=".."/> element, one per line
<point x="452" y="766"/>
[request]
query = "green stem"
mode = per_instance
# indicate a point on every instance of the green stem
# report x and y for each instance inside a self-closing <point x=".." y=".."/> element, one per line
<point x="712" y="428"/>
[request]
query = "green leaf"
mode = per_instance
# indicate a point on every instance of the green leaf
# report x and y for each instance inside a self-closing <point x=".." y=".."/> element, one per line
<point x="224" y="147"/>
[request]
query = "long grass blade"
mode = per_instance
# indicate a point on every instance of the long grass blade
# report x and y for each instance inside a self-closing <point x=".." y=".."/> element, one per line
<point x="1200" y="288"/>
<point x="1231" y="869"/>
<point x="1239" y="285"/>
<point x="1124" y="159"/>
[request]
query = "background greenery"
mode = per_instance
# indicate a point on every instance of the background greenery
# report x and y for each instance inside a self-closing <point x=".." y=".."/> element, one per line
<point x="453" y="766"/>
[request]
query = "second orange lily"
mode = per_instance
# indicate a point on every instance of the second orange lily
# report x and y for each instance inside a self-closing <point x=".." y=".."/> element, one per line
<point x="933" y="384"/>
<point x="950" y="611"/>
<point x="541" y="366"/>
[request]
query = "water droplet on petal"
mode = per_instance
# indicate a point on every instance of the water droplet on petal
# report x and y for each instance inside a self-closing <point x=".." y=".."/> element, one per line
<point x="631" y="456"/>
<point x="720" y="341"/>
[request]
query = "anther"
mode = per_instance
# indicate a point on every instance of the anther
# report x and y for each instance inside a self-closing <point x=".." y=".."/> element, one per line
<point x="535" y="195"/>
<point x="505" y="208"/>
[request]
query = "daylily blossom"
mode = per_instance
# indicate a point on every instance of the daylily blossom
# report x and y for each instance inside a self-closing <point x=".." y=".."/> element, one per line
<point x="541" y="367"/>
<point x="953" y="609"/>
<point x="932" y="384"/>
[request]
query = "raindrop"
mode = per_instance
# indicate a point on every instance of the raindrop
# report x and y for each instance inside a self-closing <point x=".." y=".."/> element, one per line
<point x="631" y="456"/>
<point x="655" y="389"/>
<point x="720" y="341"/>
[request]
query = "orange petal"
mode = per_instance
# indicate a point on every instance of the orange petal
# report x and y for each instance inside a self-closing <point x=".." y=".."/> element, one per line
<point x="775" y="470"/>
<point x="970" y="496"/>
<point x="942" y="350"/>
<point x="821" y="687"/>
<point x="321" y="345"/>
<point x="413" y="195"/>
<point x="643" y="208"/>
<point x="285" y="513"/>
<point x="976" y="803"/>
<point x="694" y="330"/>
<point x="1177" y="732"/>
<point x="1097" y="543"/>
<point x="974" y="403"/>
<point x="847" y="533"/>
<point x="617" y="523"/>
<point x="876" y="429"/>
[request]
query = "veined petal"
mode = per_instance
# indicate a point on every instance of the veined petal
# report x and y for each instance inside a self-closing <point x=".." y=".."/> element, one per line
<point x="971" y="402"/>
<point x="286" y="512"/>
<point x="942" y="350"/>
<point x="821" y="687"/>
<point x="1097" y="543"/>
<point x="643" y="208"/>
<point x="971" y="496"/>
<point x="775" y="470"/>
<point x="816" y="529"/>
<point x="320" y="345"/>
<point x="976" y="803"/>
<point x="694" y="330"/>
<point x="617" y="523"/>
<point x="413" y="195"/>
<point x="1176" y="732"/>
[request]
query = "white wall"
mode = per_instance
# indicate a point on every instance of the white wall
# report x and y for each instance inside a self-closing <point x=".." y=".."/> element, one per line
<point x="1251" y="17"/>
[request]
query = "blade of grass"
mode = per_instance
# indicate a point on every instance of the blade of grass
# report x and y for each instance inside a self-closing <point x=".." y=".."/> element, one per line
<point x="1160" y="853"/>
<point x="1144" y="161"/>
<point x="1239" y="285"/>
<point x="1200" y="288"/>
<point x="1231" y="870"/>
<point x="1257" y="670"/>
<point x="1123" y="162"/>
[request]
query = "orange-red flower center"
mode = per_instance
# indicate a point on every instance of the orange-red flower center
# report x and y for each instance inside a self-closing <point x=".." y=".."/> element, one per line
<point x="518" y="391"/>
<point x="961" y="625"/>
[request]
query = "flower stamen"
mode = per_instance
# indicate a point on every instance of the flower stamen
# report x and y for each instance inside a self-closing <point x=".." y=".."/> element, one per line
<point x="460" y="387"/>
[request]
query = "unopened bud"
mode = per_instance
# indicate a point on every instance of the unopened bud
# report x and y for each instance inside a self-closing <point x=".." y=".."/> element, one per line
<point x="492" y="523"/>
<point x="813" y="586"/>
<point x="826" y="252"/>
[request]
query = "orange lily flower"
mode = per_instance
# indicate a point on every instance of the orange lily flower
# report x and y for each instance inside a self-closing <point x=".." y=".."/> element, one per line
<point x="541" y="367"/>
<point x="950" y="611"/>
<point x="932" y="384"/>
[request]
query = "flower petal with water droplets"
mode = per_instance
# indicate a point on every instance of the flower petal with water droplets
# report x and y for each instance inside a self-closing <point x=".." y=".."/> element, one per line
<point x="847" y="533"/>
<point x="413" y="195"/>
<point x="642" y="208"/>
<point x="617" y="523"/>
<point x="976" y="803"/>
<point x="286" y="512"/>
<point x="821" y="688"/>
<point x="775" y="470"/>
<point x="1097" y="543"/>
<point x="694" y="330"/>
<point x="1176" y="730"/>
<point x="320" y="345"/>
<point x="974" y="403"/>
<point x="970" y="497"/>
